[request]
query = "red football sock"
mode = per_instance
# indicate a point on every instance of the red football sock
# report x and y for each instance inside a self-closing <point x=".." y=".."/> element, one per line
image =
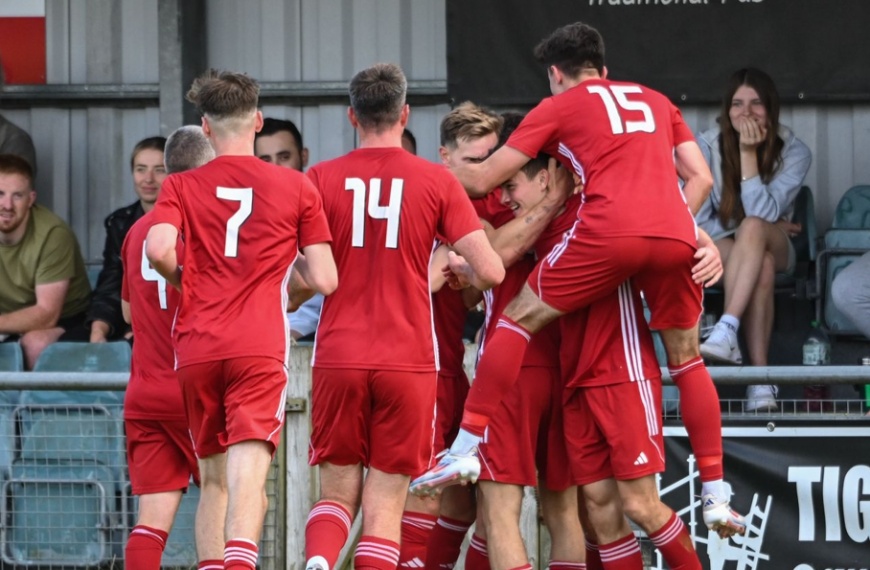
<point x="210" y="565"/>
<point x="326" y="531"/>
<point x="240" y="554"/>
<point x="416" y="528"/>
<point x="699" y="406"/>
<point x="622" y="554"/>
<point x="675" y="544"/>
<point x="476" y="557"/>
<point x="561" y="565"/>
<point x="373" y="553"/>
<point x="496" y="374"/>
<point x="523" y="567"/>
<point x="593" y="556"/>
<point x="144" y="548"/>
<point x="445" y="540"/>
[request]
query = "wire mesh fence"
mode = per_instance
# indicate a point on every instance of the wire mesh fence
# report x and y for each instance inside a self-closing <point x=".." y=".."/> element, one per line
<point x="66" y="495"/>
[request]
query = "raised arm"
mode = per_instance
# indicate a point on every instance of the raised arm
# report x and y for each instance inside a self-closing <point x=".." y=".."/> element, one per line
<point x="160" y="250"/>
<point x="480" y="179"/>
<point x="693" y="169"/>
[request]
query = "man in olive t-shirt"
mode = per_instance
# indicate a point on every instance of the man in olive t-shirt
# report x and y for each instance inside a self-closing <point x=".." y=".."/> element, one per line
<point x="44" y="289"/>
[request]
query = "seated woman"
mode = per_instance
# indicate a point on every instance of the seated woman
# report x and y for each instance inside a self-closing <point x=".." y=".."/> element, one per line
<point x="758" y="168"/>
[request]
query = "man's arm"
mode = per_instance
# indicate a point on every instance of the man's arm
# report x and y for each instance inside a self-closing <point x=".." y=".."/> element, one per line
<point x="125" y="312"/>
<point x="436" y="267"/>
<point x="485" y="267"/>
<point x="709" y="269"/>
<point x="103" y="314"/>
<point x="319" y="269"/>
<point x="693" y="169"/>
<point x="480" y="179"/>
<point x="43" y="315"/>
<point x="160" y="251"/>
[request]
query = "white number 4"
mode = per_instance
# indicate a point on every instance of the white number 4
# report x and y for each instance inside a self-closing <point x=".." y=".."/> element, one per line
<point x="615" y="98"/>
<point x="390" y="212"/>
<point x="150" y="274"/>
<point x="245" y="197"/>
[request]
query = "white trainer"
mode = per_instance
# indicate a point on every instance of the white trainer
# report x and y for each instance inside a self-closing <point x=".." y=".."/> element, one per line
<point x="451" y="469"/>
<point x="721" y="345"/>
<point x="316" y="563"/>
<point x="721" y="518"/>
<point x="761" y="399"/>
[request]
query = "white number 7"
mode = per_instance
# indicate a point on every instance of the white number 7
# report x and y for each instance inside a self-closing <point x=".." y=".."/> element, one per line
<point x="245" y="197"/>
<point x="647" y="125"/>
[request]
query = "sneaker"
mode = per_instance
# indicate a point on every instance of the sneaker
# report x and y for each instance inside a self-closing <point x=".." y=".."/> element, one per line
<point x="721" y="518"/>
<point x="451" y="469"/>
<point x="761" y="399"/>
<point x="317" y="563"/>
<point x="721" y="346"/>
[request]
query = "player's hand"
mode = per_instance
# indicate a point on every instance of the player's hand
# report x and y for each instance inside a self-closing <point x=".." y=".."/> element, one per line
<point x="751" y="134"/>
<point x="457" y="272"/>
<point x="708" y="270"/>
<point x="560" y="183"/>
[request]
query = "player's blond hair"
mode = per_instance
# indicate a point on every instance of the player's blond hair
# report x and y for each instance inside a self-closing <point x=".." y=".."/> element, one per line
<point x="468" y="121"/>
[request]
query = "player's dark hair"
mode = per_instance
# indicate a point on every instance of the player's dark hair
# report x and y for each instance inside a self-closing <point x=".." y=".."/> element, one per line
<point x="377" y="95"/>
<point x="272" y="126"/>
<point x="572" y="48"/>
<point x="769" y="152"/>
<point x="468" y="121"/>
<point x="150" y="143"/>
<point x="14" y="164"/>
<point x="187" y="148"/>
<point x="224" y="94"/>
<point x="510" y="121"/>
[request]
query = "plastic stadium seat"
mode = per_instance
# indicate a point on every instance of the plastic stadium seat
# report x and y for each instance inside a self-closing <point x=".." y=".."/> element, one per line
<point x="81" y="357"/>
<point x="11" y="360"/>
<point x="842" y="247"/>
<point x="853" y="209"/>
<point x="58" y="514"/>
<point x="181" y="546"/>
<point x="11" y="357"/>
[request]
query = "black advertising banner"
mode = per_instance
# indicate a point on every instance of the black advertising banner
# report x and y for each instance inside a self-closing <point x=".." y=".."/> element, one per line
<point x="815" y="50"/>
<point x="804" y="488"/>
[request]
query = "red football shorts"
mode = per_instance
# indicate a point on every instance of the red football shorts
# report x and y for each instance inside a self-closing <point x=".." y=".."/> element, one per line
<point x="235" y="400"/>
<point x="381" y="418"/>
<point x="615" y="431"/>
<point x="452" y="391"/>
<point x="583" y="269"/>
<point x="516" y="444"/>
<point x="160" y="456"/>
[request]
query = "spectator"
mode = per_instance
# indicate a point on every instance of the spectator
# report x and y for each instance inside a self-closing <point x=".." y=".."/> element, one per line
<point x="14" y="139"/>
<point x="409" y="141"/>
<point x="104" y="319"/>
<point x="758" y="168"/>
<point x="44" y="288"/>
<point x="851" y="293"/>
<point x="280" y="142"/>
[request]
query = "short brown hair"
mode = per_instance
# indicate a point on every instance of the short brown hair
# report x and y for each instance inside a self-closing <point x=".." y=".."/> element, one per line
<point x="151" y="143"/>
<point x="14" y="164"/>
<point x="224" y="94"/>
<point x="572" y="49"/>
<point x="468" y="121"/>
<point x="377" y="95"/>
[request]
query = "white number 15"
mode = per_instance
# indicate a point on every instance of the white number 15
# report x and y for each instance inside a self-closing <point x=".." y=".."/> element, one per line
<point x="615" y="98"/>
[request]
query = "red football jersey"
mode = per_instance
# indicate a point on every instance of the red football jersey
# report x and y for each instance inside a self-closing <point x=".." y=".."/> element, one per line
<point x="243" y="221"/>
<point x="385" y="207"/>
<point x="620" y="138"/>
<point x="153" y="391"/>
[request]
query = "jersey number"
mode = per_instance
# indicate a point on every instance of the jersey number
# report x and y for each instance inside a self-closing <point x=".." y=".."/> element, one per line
<point x="389" y="212"/>
<point x="615" y="99"/>
<point x="150" y="274"/>
<point x="245" y="198"/>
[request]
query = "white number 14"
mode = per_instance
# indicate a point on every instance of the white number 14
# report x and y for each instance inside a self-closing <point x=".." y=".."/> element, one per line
<point x="389" y="212"/>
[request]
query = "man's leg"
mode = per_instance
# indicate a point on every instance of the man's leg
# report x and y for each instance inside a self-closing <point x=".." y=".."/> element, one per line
<point x="641" y="503"/>
<point x="617" y="545"/>
<point x="419" y="518"/>
<point x="147" y="540"/>
<point x="383" y="498"/>
<point x="458" y="511"/>
<point x="247" y="470"/>
<point x="560" y="514"/>
<point x="501" y="506"/>
<point x="331" y="516"/>
<point x="211" y="513"/>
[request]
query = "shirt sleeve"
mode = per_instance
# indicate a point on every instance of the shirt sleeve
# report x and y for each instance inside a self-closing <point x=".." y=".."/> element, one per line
<point x="458" y="217"/>
<point x="313" y="227"/>
<point x="57" y="258"/>
<point x="772" y="201"/>
<point x="682" y="132"/>
<point x="169" y="208"/>
<point x="538" y="132"/>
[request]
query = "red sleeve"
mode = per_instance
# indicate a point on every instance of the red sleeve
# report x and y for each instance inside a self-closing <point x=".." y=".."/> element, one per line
<point x="538" y="132"/>
<point x="125" y="287"/>
<point x="169" y="208"/>
<point x="682" y="132"/>
<point x="458" y="218"/>
<point x="313" y="227"/>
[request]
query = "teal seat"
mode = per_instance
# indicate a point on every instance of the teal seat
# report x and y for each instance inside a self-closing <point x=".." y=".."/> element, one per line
<point x="93" y="275"/>
<point x="180" y="551"/>
<point x="60" y="515"/>
<point x="853" y="209"/>
<point x="81" y="357"/>
<point x="842" y="247"/>
<point x="11" y="357"/>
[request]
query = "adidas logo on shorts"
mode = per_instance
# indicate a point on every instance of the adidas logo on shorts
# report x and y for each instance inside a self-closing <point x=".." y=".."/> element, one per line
<point x="641" y="459"/>
<point x="413" y="563"/>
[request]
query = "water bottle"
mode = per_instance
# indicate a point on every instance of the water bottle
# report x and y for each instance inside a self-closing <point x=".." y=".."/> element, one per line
<point x="817" y="347"/>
